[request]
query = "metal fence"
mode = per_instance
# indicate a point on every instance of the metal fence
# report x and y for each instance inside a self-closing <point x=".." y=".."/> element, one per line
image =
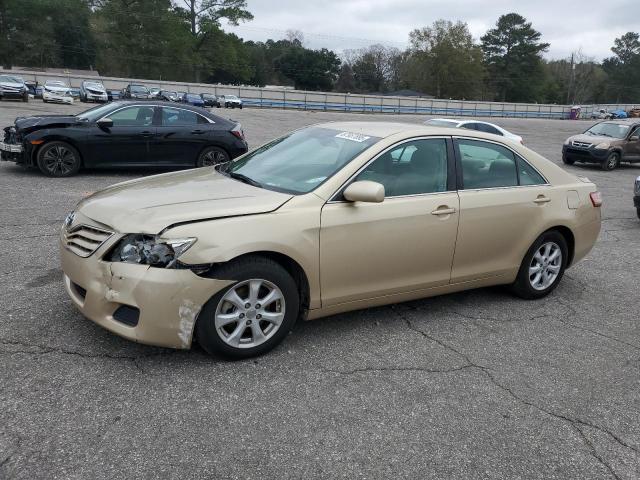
<point x="339" y="102"/>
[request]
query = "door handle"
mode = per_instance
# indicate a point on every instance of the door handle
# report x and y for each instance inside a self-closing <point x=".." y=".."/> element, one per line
<point x="443" y="210"/>
<point x="197" y="132"/>
<point x="146" y="134"/>
<point x="542" y="199"/>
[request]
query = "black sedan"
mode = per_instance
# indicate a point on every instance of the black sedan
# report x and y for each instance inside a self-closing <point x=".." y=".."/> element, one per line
<point x="123" y="134"/>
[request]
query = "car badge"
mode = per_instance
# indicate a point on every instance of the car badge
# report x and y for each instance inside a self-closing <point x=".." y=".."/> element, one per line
<point x="69" y="220"/>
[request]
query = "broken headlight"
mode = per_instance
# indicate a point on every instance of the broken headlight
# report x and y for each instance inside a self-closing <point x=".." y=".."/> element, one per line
<point x="150" y="250"/>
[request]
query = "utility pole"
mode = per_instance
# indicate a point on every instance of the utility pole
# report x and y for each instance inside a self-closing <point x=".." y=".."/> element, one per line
<point x="571" y="77"/>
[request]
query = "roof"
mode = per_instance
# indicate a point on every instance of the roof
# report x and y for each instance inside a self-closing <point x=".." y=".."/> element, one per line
<point x="163" y="103"/>
<point x="387" y="129"/>
<point x="376" y="129"/>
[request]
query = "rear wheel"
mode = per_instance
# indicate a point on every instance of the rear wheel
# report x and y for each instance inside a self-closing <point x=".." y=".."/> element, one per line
<point x="58" y="159"/>
<point x="211" y="156"/>
<point x="252" y="315"/>
<point x="542" y="267"/>
<point x="612" y="162"/>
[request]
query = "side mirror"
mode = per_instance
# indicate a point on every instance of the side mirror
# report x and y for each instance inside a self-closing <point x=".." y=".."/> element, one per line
<point x="105" y="122"/>
<point x="634" y="138"/>
<point x="365" y="191"/>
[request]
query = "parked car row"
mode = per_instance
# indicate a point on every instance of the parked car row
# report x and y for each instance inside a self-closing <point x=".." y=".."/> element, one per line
<point x="605" y="114"/>
<point x="59" y="91"/>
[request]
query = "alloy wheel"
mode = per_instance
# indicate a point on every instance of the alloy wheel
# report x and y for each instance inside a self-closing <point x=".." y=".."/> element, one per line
<point x="545" y="266"/>
<point x="213" y="157"/>
<point x="59" y="160"/>
<point x="250" y="313"/>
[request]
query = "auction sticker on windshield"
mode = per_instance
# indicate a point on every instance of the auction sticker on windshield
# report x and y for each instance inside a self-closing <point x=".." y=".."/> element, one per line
<point x="355" y="137"/>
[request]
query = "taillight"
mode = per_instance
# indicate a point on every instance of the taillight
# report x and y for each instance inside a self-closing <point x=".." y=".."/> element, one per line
<point x="596" y="198"/>
<point x="237" y="131"/>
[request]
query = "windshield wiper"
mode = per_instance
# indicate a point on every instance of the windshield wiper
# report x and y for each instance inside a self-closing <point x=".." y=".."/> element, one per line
<point x="245" y="179"/>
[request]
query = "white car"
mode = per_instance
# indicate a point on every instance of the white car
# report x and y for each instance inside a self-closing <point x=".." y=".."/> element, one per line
<point x="56" y="91"/>
<point x="477" y="125"/>
<point x="230" y="101"/>
<point x="12" y="86"/>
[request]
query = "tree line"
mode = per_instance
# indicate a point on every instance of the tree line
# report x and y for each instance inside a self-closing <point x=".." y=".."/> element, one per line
<point x="182" y="40"/>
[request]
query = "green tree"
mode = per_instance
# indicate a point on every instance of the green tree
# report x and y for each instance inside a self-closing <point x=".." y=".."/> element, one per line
<point x="624" y="68"/>
<point x="512" y="51"/>
<point x="61" y="38"/>
<point x="203" y="14"/>
<point x="309" y="69"/>
<point x="444" y="61"/>
<point x="143" y="38"/>
<point x="204" y="17"/>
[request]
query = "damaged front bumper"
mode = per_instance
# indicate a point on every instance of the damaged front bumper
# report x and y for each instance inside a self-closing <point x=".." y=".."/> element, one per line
<point x="12" y="152"/>
<point x="154" y="306"/>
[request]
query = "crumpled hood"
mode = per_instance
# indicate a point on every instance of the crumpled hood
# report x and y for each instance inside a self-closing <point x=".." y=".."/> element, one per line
<point x="44" y="121"/>
<point x="96" y="90"/>
<point x="151" y="204"/>
<point x="595" y="139"/>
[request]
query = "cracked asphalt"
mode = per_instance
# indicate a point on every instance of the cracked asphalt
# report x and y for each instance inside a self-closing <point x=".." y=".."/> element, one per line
<point x="472" y="385"/>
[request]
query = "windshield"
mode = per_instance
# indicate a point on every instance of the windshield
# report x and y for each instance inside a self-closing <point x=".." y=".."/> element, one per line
<point x="93" y="85"/>
<point x="300" y="161"/>
<point x="607" y="129"/>
<point x="191" y="96"/>
<point x="231" y="97"/>
<point x="56" y="84"/>
<point x="138" y="89"/>
<point x="97" y="113"/>
<point x="441" y="123"/>
<point x="9" y="78"/>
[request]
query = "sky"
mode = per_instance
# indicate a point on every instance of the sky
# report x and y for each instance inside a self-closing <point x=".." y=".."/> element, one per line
<point x="587" y="25"/>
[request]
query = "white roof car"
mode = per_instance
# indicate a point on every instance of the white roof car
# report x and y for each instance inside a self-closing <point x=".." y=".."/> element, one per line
<point x="474" y="125"/>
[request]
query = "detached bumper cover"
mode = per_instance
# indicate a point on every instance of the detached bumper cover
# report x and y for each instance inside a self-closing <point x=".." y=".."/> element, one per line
<point x="169" y="300"/>
<point x="12" y="152"/>
<point x="10" y="147"/>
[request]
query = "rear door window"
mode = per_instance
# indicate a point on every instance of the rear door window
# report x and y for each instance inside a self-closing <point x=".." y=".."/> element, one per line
<point x="178" y="116"/>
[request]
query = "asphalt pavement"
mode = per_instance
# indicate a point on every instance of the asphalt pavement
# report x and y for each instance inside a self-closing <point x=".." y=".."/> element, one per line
<point x="472" y="385"/>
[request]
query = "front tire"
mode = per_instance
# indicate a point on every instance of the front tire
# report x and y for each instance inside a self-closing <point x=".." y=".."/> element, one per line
<point x="612" y="162"/>
<point x="567" y="161"/>
<point x="253" y="314"/>
<point x="638" y="212"/>
<point x="58" y="159"/>
<point x="542" y="267"/>
<point x="212" y="156"/>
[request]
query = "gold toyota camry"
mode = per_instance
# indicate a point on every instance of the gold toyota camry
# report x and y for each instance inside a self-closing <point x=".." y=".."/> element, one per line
<point x="326" y="219"/>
